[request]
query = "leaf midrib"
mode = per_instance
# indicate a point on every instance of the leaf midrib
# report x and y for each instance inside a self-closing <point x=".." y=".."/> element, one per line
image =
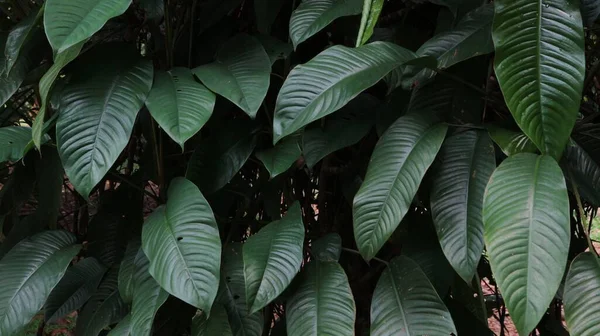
<point x="530" y="231"/>
<point x="399" y="302"/>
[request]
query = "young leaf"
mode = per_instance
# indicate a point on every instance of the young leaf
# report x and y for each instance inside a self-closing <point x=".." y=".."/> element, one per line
<point x="181" y="240"/>
<point x="511" y="142"/>
<point x="582" y="295"/>
<point x="272" y="257"/>
<point x="279" y="158"/>
<point x="29" y="273"/>
<point x="526" y="231"/>
<point x="540" y="66"/>
<point x="370" y="15"/>
<point x="400" y="159"/>
<point x="216" y="325"/>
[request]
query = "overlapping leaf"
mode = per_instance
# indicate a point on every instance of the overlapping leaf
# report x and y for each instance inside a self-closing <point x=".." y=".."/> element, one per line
<point x="279" y="158"/>
<point x="22" y="33"/>
<point x="511" y="142"/>
<point x="13" y="142"/>
<point x="582" y="295"/>
<point x="128" y="269"/>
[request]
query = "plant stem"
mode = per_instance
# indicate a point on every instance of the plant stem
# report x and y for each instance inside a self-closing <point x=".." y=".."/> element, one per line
<point x="582" y="215"/>
<point x="358" y="253"/>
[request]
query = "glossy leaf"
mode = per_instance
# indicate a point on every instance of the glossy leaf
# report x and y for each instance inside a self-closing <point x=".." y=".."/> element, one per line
<point x="327" y="248"/>
<point x="330" y="80"/>
<point x="278" y="159"/>
<point x="128" y="269"/>
<point x="22" y="33"/>
<point x="179" y="104"/>
<point x="370" y="14"/>
<point x="241" y="73"/>
<point x="29" y="273"/>
<point x="405" y="303"/>
<point x="181" y="240"/>
<point x="467" y="162"/>
<point x="527" y="233"/>
<point x="511" y="142"/>
<point x="400" y="159"/>
<point x="312" y="16"/>
<point x="68" y="22"/>
<point x="10" y="82"/>
<point x="540" y="66"/>
<point x="216" y="325"/>
<point x="97" y="112"/>
<point x="272" y="257"/>
<point x="13" y="142"/>
<point x="582" y="295"/>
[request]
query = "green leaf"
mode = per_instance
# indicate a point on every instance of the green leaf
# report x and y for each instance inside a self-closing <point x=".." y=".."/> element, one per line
<point x="400" y="159"/>
<point x="68" y="22"/>
<point x="179" y="104"/>
<point x="22" y="33"/>
<point x="330" y="80"/>
<point x="216" y="325"/>
<point x="181" y="240"/>
<point x="467" y="162"/>
<point x="278" y="159"/>
<point x="29" y="273"/>
<point x="323" y="304"/>
<point x="10" y="82"/>
<point x="275" y="48"/>
<point x="97" y="112"/>
<point x="327" y="248"/>
<point x="104" y="308"/>
<point x="312" y="16"/>
<point x="123" y="328"/>
<point x="583" y="171"/>
<point x="127" y="269"/>
<point x="74" y="289"/>
<point x="582" y="295"/>
<point x="232" y="294"/>
<point x="527" y="233"/>
<point x="266" y="12"/>
<point x="590" y="9"/>
<point x="241" y="73"/>
<point x="272" y="257"/>
<point x="13" y="142"/>
<point x="405" y="303"/>
<point x="370" y="14"/>
<point x="540" y="66"/>
<point x="511" y="142"/>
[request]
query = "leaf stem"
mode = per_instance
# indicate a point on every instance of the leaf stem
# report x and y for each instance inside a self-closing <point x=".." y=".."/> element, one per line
<point x="582" y="215"/>
<point x="358" y="253"/>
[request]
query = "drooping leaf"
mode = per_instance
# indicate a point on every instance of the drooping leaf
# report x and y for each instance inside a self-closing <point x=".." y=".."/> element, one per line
<point x="327" y="248"/>
<point x="179" y="104"/>
<point x="582" y="296"/>
<point x="279" y="158"/>
<point x="590" y="9"/>
<point x="404" y="303"/>
<point x="312" y="16"/>
<point x="511" y="142"/>
<point x="467" y="162"/>
<point x="128" y="269"/>
<point x="13" y="142"/>
<point x="29" y="273"/>
<point x="97" y="112"/>
<point x="74" y="289"/>
<point x="370" y="14"/>
<point x="323" y="304"/>
<point x="181" y="240"/>
<point x="400" y="159"/>
<point x="275" y="48"/>
<point x="272" y="257"/>
<point x="540" y="66"/>
<point x="527" y="233"/>
<point x="330" y="80"/>
<point x="241" y="73"/>
<point x="216" y="325"/>
<point x="22" y="33"/>
<point x="68" y="22"/>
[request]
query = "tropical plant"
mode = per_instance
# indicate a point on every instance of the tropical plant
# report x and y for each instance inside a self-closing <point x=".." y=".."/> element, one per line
<point x="313" y="167"/>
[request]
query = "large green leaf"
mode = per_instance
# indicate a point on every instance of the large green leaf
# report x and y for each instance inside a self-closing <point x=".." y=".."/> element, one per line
<point x="313" y="15"/>
<point x="467" y="162"/>
<point x="527" y="233"/>
<point x="511" y="142"/>
<point x="13" y="142"/>
<point x="97" y="112"/>
<point x="323" y="304"/>
<point x="370" y="14"/>
<point x="279" y="158"/>
<point x="400" y="159"/>
<point x="330" y="80"/>
<point x="582" y="295"/>
<point x="128" y="269"/>
<point x="272" y="257"/>
<point x="68" y="22"/>
<point x="216" y="325"/>
<point x="179" y="104"/>
<point x="22" y="33"/>
<point x="241" y="73"/>
<point x="29" y="273"/>
<point x="540" y="66"/>
<point x="181" y="240"/>
<point x="405" y="303"/>
<point x="74" y="289"/>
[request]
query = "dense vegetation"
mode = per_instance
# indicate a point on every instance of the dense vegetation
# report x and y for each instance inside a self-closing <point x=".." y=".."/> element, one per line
<point x="314" y="167"/>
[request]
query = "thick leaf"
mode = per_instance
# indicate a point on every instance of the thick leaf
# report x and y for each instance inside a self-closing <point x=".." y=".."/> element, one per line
<point x="313" y="15"/>
<point x="323" y="304"/>
<point x="330" y="80"/>
<point x="179" y="104"/>
<point x="68" y="22"/>
<point x="400" y="159"/>
<point x="582" y="295"/>
<point x="18" y="36"/>
<point x="590" y="9"/>
<point x="13" y="142"/>
<point x="327" y="248"/>
<point x="74" y="289"/>
<point x="127" y="269"/>
<point x="97" y="112"/>
<point x="275" y="48"/>
<point x="370" y="15"/>
<point x="540" y="66"/>
<point x="272" y="257"/>
<point x="181" y="240"/>
<point x="467" y="162"/>
<point x="278" y="159"/>
<point x="104" y="308"/>
<point x="405" y="303"/>
<point x="511" y="142"/>
<point x="527" y="233"/>
<point x="216" y="325"/>
<point x="241" y="73"/>
<point x="29" y="273"/>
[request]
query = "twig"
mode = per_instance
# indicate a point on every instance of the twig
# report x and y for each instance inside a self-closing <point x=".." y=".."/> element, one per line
<point x="133" y="185"/>
<point x="358" y="253"/>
